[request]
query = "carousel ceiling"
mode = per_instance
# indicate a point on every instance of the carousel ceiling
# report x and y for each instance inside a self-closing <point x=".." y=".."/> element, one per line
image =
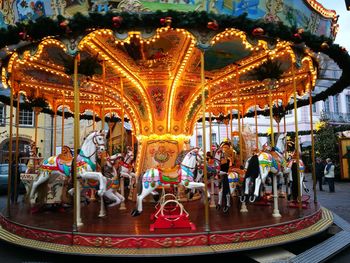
<point x="156" y="77"/>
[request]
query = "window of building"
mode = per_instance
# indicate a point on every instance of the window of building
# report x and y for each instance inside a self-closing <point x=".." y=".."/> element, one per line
<point x="289" y="112"/>
<point x="336" y="103"/>
<point x="26" y="118"/>
<point x="213" y="138"/>
<point x="199" y="140"/>
<point x="2" y="115"/>
<point x="348" y="103"/>
<point x="314" y="107"/>
<point x="326" y="105"/>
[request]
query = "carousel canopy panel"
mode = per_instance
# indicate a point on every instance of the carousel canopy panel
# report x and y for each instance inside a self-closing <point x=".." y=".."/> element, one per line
<point x="156" y="76"/>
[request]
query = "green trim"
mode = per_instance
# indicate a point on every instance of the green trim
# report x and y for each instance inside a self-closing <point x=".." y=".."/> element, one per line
<point x="87" y="160"/>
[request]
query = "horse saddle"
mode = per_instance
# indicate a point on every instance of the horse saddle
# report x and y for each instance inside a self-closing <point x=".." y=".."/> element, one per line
<point x="65" y="159"/>
<point x="170" y="175"/>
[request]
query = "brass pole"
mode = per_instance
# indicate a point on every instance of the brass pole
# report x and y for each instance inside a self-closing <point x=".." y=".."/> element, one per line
<point x="36" y="114"/>
<point x="93" y="114"/>
<point x="110" y="133"/>
<point x="210" y="132"/>
<point x="133" y="141"/>
<point x="312" y="148"/>
<point x="196" y="134"/>
<point x="76" y="213"/>
<point x="103" y="93"/>
<point x="54" y="128"/>
<point x="10" y="147"/>
<point x="212" y="191"/>
<point x="205" y="175"/>
<point x="122" y="117"/>
<point x="271" y="120"/>
<point x="296" y="134"/>
<point x="231" y="125"/>
<point x="240" y="138"/>
<point x="62" y="136"/>
<point x="17" y="146"/>
<point x="256" y="126"/>
<point x="285" y="134"/>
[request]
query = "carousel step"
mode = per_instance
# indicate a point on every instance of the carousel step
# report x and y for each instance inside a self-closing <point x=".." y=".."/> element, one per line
<point x="324" y="250"/>
<point x="270" y="255"/>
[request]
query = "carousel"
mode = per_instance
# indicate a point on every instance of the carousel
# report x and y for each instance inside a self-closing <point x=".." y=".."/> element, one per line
<point x="163" y="72"/>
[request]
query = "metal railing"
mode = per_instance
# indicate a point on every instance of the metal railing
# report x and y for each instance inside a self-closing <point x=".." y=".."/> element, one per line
<point x="337" y="116"/>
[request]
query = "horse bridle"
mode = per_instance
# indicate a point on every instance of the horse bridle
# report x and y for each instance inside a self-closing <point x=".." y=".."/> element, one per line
<point x="96" y="144"/>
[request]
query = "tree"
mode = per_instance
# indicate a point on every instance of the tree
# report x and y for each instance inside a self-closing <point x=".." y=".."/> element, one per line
<point x="326" y="143"/>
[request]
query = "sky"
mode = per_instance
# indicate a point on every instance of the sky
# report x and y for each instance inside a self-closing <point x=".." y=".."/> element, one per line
<point x="343" y="36"/>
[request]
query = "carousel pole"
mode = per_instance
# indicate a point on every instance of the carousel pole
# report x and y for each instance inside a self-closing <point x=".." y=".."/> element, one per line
<point x="12" y="90"/>
<point x="256" y="125"/>
<point x="93" y="114"/>
<point x="122" y="117"/>
<point x="63" y="107"/>
<point x="205" y="175"/>
<point x="239" y="118"/>
<point x="312" y="148"/>
<point x="231" y="128"/>
<point x="276" y="212"/>
<point x="54" y="127"/>
<point x="196" y="134"/>
<point x="271" y="119"/>
<point x="285" y="134"/>
<point x="17" y="146"/>
<point x="212" y="189"/>
<point x="226" y="123"/>
<point x="76" y="213"/>
<point x="296" y="135"/>
<point x="122" y="187"/>
<point x="110" y="124"/>
<point x="103" y="94"/>
<point x="240" y="138"/>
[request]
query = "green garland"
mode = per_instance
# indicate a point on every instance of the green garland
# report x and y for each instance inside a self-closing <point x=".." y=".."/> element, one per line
<point x="79" y="24"/>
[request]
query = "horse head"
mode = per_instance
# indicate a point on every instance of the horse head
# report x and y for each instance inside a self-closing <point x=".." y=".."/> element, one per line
<point x="93" y="145"/>
<point x="129" y="156"/>
<point x="193" y="158"/>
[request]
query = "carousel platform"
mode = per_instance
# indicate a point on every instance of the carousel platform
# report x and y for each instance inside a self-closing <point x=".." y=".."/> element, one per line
<point x="119" y="234"/>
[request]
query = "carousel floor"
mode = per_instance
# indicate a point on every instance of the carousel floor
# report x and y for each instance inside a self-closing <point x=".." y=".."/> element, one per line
<point x="119" y="230"/>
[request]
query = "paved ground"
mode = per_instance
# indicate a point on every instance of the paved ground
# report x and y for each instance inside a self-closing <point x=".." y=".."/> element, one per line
<point x="338" y="202"/>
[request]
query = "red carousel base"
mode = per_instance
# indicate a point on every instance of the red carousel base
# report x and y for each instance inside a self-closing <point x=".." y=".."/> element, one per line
<point x="111" y="235"/>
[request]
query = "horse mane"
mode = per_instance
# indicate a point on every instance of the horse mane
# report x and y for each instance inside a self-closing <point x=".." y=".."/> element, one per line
<point x="181" y="156"/>
<point x="253" y="167"/>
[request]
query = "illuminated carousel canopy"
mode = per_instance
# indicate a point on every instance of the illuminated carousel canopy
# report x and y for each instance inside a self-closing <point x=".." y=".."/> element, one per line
<point x="156" y="58"/>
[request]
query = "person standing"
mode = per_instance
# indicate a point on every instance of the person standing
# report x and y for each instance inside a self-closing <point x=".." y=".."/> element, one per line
<point x="319" y="172"/>
<point x="329" y="174"/>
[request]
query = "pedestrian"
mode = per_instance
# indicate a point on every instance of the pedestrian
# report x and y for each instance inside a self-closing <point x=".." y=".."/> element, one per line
<point x="319" y="172"/>
<point x="329" y="174"/>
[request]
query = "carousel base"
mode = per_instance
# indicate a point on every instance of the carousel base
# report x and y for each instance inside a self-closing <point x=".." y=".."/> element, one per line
<point x="119" y="234"/>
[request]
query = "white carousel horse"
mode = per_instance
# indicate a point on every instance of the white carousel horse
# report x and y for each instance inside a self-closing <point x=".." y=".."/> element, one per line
<point x="269" y="160"/>
<point x="55" y="166"/>
<point x="154" y="177"/>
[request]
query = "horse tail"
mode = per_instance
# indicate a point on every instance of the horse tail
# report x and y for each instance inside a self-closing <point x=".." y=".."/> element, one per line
<point x="139" y="184"/>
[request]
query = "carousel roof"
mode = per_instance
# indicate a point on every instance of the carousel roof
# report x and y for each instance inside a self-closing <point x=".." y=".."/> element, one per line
<point x="155" y="75"/>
